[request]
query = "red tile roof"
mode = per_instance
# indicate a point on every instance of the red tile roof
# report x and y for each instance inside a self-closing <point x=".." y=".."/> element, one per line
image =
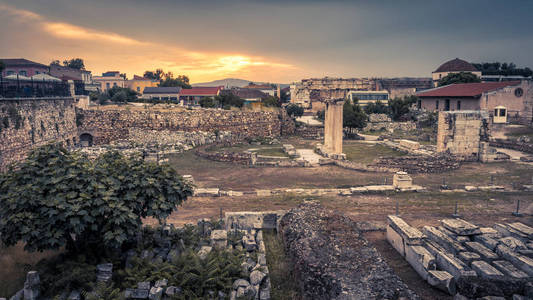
<point x="466" y="89"/>
<point x="201" y="91"/>
<point x="456" y="65"/>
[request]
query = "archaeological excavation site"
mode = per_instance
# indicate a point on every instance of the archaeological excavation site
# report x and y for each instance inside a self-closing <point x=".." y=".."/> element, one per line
<point x="161" y="201"/>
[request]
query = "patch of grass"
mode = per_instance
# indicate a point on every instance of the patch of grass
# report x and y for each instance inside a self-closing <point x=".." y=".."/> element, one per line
<point x="14" y="264"/>
<point x="282" y="279"/>
<point x="278" y="151"/>
<point x="366" y="153"/>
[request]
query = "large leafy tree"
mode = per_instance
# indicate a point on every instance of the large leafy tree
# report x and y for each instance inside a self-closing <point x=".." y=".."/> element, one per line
<point x="497" y="68"/>
<point x="56" y="198"/>
<point x="167" y="79"/>
<point x="294" y="110"/>
<point x="399" y="107"/>
<point x="376" y="108"/>
<point x="353" y="115"/>
<point x="227" y="100"/>
<point x="461" y="77"/>
<point x="270" y="101"/>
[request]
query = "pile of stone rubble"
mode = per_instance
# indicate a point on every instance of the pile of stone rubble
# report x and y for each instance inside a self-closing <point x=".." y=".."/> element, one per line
<point x="471" y="261"/>
<point x="332" y="260"/>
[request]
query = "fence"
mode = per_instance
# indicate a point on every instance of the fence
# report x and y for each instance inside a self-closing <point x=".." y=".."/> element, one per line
<point x="16" y="88"/>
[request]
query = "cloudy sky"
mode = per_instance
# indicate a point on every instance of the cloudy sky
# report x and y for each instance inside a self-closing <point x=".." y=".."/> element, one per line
<point x="270" y="40"/>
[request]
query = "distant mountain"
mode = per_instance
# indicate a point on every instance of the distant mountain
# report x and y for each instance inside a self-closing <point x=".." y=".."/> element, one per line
<point x="227" y="82"/>
<point x="231" y="82"/>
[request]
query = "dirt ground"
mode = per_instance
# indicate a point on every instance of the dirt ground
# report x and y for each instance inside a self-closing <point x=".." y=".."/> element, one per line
<point x="418" y="209"/>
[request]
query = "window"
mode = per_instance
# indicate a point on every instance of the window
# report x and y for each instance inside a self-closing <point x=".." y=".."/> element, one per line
<point x="107" y="85"/>
<point x="23" y="73"/>
<point x="437" y="105"/>
<point x="458" y="104"/>
<point x="496" y="112"/>
<point x="37" y="72"/>
<point x="502" y="112"/>
<point x="138" y="89"/>
<point x="114" y="84"/>
<point x="447" y="105"/>
<point x="10" y="73"/>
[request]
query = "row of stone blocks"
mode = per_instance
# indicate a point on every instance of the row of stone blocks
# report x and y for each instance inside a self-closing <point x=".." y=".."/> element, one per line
<point x="458" y="250"/>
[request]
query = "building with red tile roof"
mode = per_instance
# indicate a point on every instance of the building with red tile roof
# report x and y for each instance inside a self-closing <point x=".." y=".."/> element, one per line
<point x="453" y="66"/>
<point x="514" y="98"/>
<point x="192" y="96"/>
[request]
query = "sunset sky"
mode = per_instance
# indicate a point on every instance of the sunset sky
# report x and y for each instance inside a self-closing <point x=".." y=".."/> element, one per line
<point x="271" y="40"/>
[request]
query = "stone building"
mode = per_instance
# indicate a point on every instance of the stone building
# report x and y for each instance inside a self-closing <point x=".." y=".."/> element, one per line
<point x="508" y="101"/>
<point x="109" y="80"/>
<point x="139" y="83"/>
<point x="192" y="96"/>
<point x="453" y="66"/>
<point x="307" y="92"/>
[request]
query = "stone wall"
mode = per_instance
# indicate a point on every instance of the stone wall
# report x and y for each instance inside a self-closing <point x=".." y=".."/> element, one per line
<point x="109" y="125"/>
<point x="512" y="144"/>
<point x="27" y="123"/>
<point x="461" y="132"/>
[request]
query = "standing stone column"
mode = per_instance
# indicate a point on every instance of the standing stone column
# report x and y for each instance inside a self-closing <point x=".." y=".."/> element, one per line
<point x="328" y="133"/>
<point x="337" y="127"/>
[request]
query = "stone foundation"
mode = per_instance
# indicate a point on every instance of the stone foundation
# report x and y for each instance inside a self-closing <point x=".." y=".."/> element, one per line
<point x="461" y="257"/>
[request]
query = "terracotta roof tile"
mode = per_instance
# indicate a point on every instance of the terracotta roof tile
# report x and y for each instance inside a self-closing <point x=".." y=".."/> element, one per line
<point x="456" y="65"/>
<point x="466" y="89"/>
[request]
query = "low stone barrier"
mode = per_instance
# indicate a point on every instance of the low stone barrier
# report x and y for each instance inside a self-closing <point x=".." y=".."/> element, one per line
<point x="226" y="156"/>
<point x="459" y="256"/>
<point x="511" y="144"/>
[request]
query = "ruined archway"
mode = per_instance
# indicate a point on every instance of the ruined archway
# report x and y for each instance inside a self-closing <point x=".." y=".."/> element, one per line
<point x="86" y="140"/>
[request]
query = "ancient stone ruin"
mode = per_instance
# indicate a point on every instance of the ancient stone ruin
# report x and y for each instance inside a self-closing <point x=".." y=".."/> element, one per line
<point x="332" y="260"/>
<point x="459" y="257"/>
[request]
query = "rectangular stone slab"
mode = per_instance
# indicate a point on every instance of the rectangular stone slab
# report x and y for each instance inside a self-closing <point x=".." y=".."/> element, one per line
<point x="522" y="228"/>
<point x="468" y="257"/>
<point x="508" y="269"/>
<point x="420" y="259"/>
<point x="521" y="262"/>
<point x="485" y="253"/>
<point x="490" y="232"/>
<point x="460" y="227"/>
<point x="486" y="241"/>
<point x="411" y="235"/>
<point x="508" y="231"/>
<point x="396" y="240"/>
<point x="443" y="240"/>
<point x="485" y="270"/>
<point x="442" y="280"/>
<point x="447" y="262"/>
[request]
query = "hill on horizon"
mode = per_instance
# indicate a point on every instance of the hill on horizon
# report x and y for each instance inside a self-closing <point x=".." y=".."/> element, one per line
<point x="230" y="82"/>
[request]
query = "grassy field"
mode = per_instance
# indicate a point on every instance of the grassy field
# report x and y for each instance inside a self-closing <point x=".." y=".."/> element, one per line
<point x="366" y="153"/>
<point x="284" y="285"/>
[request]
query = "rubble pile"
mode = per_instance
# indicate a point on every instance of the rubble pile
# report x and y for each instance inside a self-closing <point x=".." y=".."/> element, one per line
<point x="332" y="260"/>
<point x="460" y="257"/>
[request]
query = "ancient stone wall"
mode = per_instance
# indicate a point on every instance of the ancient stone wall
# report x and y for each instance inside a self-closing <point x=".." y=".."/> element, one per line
<point x="109" y="125"/>
<point x="27" y="123"/>
<point x="461" y="132"/>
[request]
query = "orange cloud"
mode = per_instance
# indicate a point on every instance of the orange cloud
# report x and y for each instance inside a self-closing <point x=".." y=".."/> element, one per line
<point x="132" y="56"/>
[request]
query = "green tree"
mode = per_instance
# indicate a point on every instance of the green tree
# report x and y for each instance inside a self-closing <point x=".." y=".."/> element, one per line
<point x="284" y="98"/>
<point x="376" y="108"/>
<point x="118" y="94"/>
<point x="56" y="199"/>
<point x="461" y="77"/>
<point x="158" y="74"/>
<point x="270" y="101"/>
<point x="227" y="100"/>
<point x="75" y="63"/>
<point x="208" y="102"/>
<point x="294" y="110"/>
<point x="353" y="116"/>
<point x="401" y="106"/>
<point x="180" y="81"/>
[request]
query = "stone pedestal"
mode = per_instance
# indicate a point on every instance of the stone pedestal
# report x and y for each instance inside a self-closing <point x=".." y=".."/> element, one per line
<point x="402" y="180"/>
